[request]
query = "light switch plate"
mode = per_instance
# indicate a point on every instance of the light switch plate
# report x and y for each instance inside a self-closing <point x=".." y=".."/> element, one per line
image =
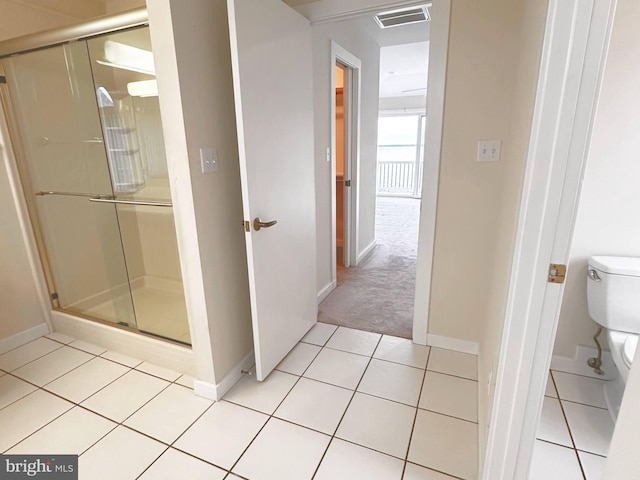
<point x="209" y="159"/>
<point x="489" y="151"/>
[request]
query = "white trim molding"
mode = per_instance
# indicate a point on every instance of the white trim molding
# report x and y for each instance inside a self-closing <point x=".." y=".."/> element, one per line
<point x="455" y="344"/>
<point x="326" y="290"/>
<point x="368" y="250"/>
<point x="575" y="44"/>
<point x="341" y="55"/>
<point x="219" y="390"/>
<point x="21" y="338"/>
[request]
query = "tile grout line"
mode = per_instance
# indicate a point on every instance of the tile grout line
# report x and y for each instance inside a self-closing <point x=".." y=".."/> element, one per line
<point x="566" y="421"/>
<point x="275" y="409"/>
<point x="415" y="416"/>
<point x="355" y="390"/>
<point x="300" y="377"/>
<point x="581" y="375"/>
<point x="430" y="469"/>
<point x="270" y="416"/>
<point x="154" y="461"/>
<point x="583" y="404"/>
<point x="44" y="425"/>
<point x="78" y="405"/>
<point x="75" y="404"/>
<point x="30" y="361"/>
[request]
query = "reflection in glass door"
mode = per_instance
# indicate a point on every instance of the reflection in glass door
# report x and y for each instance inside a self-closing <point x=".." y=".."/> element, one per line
<point x="95" y="174"/>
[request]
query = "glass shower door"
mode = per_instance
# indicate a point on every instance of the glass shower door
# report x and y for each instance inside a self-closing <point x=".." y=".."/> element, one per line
<point x="127" y="94"/>
<point x="64" y="166"/>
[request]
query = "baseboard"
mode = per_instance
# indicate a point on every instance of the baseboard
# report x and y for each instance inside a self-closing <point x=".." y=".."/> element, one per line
<point x="328" y="288"/>
<point x="366" y="252"/>
<point x="448" y="343"/>
<point x="26" y="336"/>
<point x="149" y="349"/>
<point x="219" y="390"/>
<point x="578" y="364"/>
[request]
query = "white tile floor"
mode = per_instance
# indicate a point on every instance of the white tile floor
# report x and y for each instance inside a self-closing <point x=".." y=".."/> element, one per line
<point x="574" y="431"/>
<point x="344" y="404"/>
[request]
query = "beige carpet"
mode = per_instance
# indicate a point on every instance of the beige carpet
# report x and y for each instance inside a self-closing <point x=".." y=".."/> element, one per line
<point x="377" y="295"/>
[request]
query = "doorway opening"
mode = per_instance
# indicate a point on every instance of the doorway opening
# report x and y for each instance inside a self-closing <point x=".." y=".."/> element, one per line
<point x="343" y="134"/>
<point x="374" y="278"/>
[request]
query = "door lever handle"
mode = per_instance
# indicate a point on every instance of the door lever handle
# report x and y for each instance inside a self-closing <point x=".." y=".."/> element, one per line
<point x="258" y="224"/>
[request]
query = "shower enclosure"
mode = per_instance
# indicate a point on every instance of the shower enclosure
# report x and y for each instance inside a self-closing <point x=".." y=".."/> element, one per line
<point x="86" y="129"/>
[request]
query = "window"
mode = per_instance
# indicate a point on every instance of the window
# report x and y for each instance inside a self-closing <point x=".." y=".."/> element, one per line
<point x="400" y="154"/>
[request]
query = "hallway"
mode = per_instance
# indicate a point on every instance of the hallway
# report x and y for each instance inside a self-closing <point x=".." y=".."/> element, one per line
<point x="345" y="404"/>
<point x="377" y="296"/>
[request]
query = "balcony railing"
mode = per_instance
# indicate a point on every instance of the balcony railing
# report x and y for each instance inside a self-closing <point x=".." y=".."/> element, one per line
<point x="399" y="178"/>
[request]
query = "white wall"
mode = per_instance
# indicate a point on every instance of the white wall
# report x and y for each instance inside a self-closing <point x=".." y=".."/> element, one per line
<point x="413" y="102"/>
<point x="607" y="222"/>
<point x="514" y="155"/>
<point x="483" y="44"/>
<point x="20" y="298"/>
<point x="348" y="35"/>
<point x="191" y="49"/>
<point x="609" y="202"/>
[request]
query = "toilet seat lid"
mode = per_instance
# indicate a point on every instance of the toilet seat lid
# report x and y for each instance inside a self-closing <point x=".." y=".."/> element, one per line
<point x="629" y="349"/>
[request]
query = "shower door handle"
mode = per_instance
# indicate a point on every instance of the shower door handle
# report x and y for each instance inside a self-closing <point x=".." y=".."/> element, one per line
<point x="74" y="194"/>
<point x="131" y="202"/>
<point x="258" y="224"/>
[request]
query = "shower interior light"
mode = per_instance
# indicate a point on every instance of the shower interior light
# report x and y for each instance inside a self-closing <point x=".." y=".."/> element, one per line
<point x="144" y="88"/>
<point x="126" y="57"/>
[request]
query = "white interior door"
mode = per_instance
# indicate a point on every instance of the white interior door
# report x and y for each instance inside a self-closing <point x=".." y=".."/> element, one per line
<point x="272" y="74"/>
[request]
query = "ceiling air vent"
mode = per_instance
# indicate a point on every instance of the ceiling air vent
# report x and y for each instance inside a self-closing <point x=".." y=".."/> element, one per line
<point x="403" y="16"/>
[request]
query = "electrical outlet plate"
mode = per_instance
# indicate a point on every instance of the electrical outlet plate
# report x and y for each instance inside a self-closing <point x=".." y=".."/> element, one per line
<point x="489" y="151"/>
<point x="209" y="159"/>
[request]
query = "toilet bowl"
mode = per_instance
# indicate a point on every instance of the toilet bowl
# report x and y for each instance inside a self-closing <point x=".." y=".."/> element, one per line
<point x="613" y="298"/>
<point x="623" y="348"/>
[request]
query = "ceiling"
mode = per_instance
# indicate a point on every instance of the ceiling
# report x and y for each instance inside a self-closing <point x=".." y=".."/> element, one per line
<point x="403" y="70"/>
<point x="404" y="49"/>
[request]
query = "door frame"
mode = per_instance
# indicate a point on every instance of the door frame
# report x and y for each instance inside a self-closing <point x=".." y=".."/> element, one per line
<point x="438" y="53"/>
<point x="352" y="99"/>
<point x="575" y="47"/>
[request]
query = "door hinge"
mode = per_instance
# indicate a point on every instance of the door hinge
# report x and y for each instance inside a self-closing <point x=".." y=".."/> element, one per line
<point x="247" y="226"/>
<point x="54" y="296"/>
<point x="3" y="79"/>
<point x="557" y="272"/>
<point x="347" y="183"/>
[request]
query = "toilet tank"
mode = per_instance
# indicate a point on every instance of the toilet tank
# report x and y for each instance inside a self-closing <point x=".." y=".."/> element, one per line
<point x="613" y="292"/>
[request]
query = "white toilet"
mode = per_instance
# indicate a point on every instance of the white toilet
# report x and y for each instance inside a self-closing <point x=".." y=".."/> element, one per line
<point x="613" y="297"/>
